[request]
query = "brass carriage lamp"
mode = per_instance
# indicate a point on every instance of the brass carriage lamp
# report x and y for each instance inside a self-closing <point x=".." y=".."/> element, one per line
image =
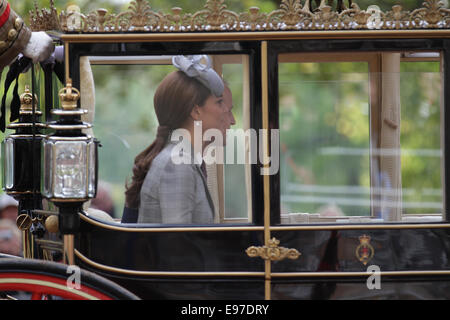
<point x="69" y="161"/>
<point x="21" y="151"/>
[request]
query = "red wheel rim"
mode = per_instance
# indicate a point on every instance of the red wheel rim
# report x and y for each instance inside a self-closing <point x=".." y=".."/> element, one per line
<point x="39" y="285"/>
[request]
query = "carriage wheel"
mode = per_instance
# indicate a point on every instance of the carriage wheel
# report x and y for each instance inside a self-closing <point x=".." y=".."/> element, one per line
<point x="44" y="278"/>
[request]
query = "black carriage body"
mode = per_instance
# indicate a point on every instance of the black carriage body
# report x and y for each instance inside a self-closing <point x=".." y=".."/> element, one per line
<point x="210" y="262"/>
<point x="213" y="264"/>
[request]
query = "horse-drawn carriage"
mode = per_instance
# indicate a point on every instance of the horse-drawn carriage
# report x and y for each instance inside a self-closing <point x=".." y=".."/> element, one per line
<point x="343" y="180"/>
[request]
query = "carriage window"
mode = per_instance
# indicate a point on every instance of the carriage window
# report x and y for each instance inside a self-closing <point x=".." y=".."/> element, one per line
<point x="360" y="138"/>
<point x="125" y="123"/>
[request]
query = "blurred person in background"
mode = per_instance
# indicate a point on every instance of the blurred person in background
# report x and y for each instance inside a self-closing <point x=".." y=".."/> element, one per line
<point x="8" y="208"/>
<point x="10" y="238"/>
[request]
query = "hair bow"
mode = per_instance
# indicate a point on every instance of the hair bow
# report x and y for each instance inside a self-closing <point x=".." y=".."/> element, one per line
<point x="193" y="67"/>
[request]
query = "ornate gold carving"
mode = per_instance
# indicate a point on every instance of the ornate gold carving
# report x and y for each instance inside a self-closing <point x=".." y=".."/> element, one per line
<point x="433" y="13"/>
<point x="44" y="19"/>
<point x="174" y="21"/>
<point x="255" y="20"/>
<point x="364" y="251"/>
<point x="141" y="15"/>
<point x="26" y="102"/>
<point x="272" y="252"/>
<point x="69" y="96"/>
<point x="290" y="16"/>
<point x="215" y="16"/>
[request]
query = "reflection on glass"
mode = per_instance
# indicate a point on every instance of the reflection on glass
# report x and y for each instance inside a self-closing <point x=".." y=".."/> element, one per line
<point x="324" y="125"/>
<point x="237" y="197"/>
<point x="124" y="120"/>
<point x="421" y="138"/>
<point x="8" y="170"/>
<point x="359" y="145"/>
<point x="70" y="170"/>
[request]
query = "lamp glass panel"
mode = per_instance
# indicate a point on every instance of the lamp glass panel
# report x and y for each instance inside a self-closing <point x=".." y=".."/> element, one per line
<point x="47" y="168"/>
<point x="9" y="164"/>
<point x="70" y="169"/>
<point x="92" y="169"/>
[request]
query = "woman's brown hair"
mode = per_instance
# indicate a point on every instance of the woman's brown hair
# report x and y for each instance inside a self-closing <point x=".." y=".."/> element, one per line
<point x="174" y="100"/>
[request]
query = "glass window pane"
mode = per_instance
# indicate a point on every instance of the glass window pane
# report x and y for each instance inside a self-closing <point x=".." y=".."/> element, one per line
<point x="324" y="131"/>
<point x="237" y="195"/>
<point x="420" y="139"/>
<point x="125" y="123"/>
<point x="360" y="141"/>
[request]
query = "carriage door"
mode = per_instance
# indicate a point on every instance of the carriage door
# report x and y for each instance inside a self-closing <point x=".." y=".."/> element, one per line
<point x="168" y="259"/>
<point x="356" y="205"/>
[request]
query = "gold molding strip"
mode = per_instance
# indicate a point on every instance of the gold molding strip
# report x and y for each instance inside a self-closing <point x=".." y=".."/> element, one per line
<point x="360" y="227"/>
<point x="68" y="249"/>
<point x="361" y="274"/>
<point x="266" y="178"/>
<point x="291" y="15"/>
<point x="11" y="193"/>
<point x="66" y="62"/>
<point x="255" y="36"/>
<point x="327" y="227"/>
<point x="106" y="225"/>
<point x="167" y="273"/>
<point x="257" y="274"/>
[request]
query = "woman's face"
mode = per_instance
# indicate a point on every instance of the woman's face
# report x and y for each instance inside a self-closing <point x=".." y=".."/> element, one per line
<point x="217" y="113"/>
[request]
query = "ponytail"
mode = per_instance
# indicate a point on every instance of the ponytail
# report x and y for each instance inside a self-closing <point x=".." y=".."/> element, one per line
<point x="142" y="164"/>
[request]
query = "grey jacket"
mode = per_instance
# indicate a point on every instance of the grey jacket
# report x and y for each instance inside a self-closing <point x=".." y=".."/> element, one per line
<point x="175" y="193"/>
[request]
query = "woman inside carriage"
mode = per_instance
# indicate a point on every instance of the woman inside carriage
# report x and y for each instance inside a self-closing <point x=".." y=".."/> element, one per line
<point x="169" y="183"/>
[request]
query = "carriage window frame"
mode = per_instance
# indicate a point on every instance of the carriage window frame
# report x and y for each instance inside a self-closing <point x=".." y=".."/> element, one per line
<point x="105" y="54"/>
<point x="316" y="51"/>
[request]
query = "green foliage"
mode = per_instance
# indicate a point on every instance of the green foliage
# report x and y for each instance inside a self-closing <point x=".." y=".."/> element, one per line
<point x="323" y="106"/>
<point x="125" y="122"/>
<point x="325" y="135"/>
<point x="420" y="131"/>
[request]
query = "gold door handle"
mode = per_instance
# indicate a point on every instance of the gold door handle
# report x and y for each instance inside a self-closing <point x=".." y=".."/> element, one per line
<point x="272" y="252"/>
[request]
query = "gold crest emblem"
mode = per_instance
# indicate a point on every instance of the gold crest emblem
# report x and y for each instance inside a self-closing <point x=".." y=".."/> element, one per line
<point x="364" y="251"/>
